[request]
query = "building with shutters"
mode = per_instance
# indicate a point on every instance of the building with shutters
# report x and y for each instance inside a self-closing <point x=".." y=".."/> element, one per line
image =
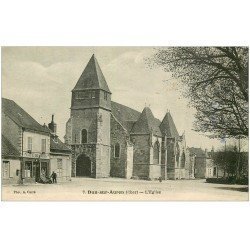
<point x="30" y="140"/>
<point x="30" y="151"/>
<point x="109" y="139"/>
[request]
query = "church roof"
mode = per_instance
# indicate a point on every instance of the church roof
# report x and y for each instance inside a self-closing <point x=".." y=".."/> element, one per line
<point x="8" y="149"/>
<point x="123" y="112"/>
<point x="133" y="120"/>
<point x="168" y="127"/>
<point x="20" y="117"/>
<point x="147" y="123"/>
<point x="92" y="77"/>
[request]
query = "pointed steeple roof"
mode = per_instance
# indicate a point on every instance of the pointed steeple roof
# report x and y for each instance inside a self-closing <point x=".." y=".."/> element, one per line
<point x="146" y="123"/>
<point x="92" y="77"/>
<point x="168" y="127"/>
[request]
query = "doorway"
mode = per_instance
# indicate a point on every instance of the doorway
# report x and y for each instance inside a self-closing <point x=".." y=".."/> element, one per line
<point x="83" y="166"/>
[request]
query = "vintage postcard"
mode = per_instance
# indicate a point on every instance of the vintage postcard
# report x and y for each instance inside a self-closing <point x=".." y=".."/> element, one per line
<point x="124" y="124"/>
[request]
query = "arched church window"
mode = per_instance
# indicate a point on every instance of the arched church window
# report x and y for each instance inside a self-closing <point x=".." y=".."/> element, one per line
<point x="183" y="160"/>
<point x="156" y="153"/>
<point x="117" y="150"/>
<point x="84" y="136"/>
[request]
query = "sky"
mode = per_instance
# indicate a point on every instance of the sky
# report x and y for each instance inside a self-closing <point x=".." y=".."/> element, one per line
<point x="40" y="80"/>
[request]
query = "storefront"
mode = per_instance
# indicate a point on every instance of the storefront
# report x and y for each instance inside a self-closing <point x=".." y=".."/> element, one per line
<point x="34" y="169"/>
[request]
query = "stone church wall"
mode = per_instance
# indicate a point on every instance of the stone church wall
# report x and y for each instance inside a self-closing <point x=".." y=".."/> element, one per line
<point x="68" y="134"/>
<point x="102" y="161"/>
<point x="141" y="155"/>
<point x="103" y="127"/>
<point x="103" y="144"/>
<point x="170" y="158"/>
<point x="103" y="102"/>
<point x="118" y="135"/>
<point x="84" y="119"/>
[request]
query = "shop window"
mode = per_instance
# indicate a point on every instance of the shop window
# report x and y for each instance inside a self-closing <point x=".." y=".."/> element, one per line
<point x="84" y="136"/>
<point x="28" y="169"/>
<point x="44" y="169"/>
<point x="6" y="169"/>
<point x="43" y="145"/>
<point x="59" y="167"/>
<point x="117" y="150"/>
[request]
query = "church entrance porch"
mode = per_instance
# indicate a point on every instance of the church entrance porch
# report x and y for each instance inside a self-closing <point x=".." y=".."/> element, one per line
<point x="83" y="166"/>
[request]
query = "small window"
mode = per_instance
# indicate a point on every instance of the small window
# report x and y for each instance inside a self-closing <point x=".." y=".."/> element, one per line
<point x="30" y="143"/>
<point x="6" y="169"/>
<point x="43" y="145"/>
<point x="93" y="94"/>
<point x="105" y="96"/>
<point x="84" y="136"/>
<point x="117" y="150"/>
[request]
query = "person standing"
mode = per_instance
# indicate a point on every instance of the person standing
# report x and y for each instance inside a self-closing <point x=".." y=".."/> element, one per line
<point x="53" y="176"/>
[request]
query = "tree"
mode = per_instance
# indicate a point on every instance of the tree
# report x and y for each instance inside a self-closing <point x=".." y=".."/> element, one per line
<point x="226" y="160"/>
<point x="231" y="161"/>
<point x="215" y="80"/>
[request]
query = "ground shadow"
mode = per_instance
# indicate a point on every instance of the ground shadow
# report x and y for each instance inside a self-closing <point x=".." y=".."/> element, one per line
<point x="239" y="189"/>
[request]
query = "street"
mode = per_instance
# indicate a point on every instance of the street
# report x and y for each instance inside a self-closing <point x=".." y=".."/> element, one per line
<point x="83" y="189"/>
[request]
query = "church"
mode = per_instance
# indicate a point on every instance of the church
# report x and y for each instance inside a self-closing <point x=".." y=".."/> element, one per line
<point x="109" y="139"/>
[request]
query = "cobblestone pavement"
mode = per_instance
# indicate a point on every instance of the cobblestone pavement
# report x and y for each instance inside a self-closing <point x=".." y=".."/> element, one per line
<point x="80" y="189"/>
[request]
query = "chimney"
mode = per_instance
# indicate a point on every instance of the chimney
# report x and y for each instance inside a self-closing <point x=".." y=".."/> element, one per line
<point x="52" y="126"/>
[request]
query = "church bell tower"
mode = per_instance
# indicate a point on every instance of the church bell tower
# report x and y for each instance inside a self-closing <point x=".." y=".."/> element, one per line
<point x="89" y="123"/>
